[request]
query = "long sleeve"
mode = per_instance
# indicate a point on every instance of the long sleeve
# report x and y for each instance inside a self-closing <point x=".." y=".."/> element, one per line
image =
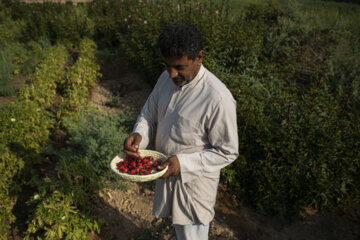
<point x="223" y="140"/>
<point x="146" y="122"/>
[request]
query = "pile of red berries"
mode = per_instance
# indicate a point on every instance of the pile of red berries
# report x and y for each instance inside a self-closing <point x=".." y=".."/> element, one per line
<point x="139" y="165"/>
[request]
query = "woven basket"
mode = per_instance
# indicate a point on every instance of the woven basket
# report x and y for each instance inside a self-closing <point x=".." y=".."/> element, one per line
<point x="139" y="178"/>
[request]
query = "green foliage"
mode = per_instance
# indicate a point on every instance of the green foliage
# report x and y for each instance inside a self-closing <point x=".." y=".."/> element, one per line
<point x="10" y="30"/>
<point x="138" y="24"/>
<point x="42" y="84"/>
<point x="10" y="165"/>
<point x="10" y="50"/>
<point x="293" y="156"/>
<point x="96" y="138"/>
<point x="82" y="75"/>
<point x="115" y="102"/>
<point x="292" y="129"/>
<point x="24" y="129"/>
<point x="7" y="68"/>
<point x="15" y="57"/>
<point x="343" y="73"/>
<point x="58" y="216"/>
<point x="58" y="22"/>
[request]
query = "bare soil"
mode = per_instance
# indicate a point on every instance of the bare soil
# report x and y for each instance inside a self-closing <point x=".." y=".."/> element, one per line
<point x="128" y="213"/>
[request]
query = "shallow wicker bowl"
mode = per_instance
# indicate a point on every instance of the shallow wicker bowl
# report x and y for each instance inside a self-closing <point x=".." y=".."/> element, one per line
<point x="139" y="178"/>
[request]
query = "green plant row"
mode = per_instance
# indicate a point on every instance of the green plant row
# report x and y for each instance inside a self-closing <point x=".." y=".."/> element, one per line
<point x="59" y="218"/>
<point x="69" y="196"/>
<point x="27" y="125"/>
<point x="25" y="128"/>
<point x="42" y="85"/>
<point x="80" y="77"/>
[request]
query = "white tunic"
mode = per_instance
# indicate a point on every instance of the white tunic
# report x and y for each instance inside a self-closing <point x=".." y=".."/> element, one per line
<point x="196" y="122"/>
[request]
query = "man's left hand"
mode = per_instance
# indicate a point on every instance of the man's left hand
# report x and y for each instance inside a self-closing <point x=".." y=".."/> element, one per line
<point x="174" y="167"/>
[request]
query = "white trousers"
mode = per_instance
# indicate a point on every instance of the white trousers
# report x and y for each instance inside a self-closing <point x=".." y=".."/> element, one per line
<point x="192" y="232"/>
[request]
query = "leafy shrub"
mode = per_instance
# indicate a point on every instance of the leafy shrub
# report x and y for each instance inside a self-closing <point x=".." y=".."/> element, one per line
<point x="24" y="129"/>
<point x="6" y="70"/>
<point x="10" y="166"/>
<point x="60" y="210"/>
<point x="57" y="215"/>
<point x="10" y="50"/>
<point x="42" y="84"/>
<point x="343" y="73"/>
<point x="24" y="126"/>
<point x="81" y="76"/>
<point x="96" y="138"/>
<point x="115" y="102"/>
<point x="10" y="30"/>
<point x="58" y="22"/>
<point x="138" y="24"/>
<point x="293" y="155"/>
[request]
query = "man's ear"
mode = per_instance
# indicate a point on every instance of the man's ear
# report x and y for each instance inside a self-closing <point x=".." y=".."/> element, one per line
<point x="200" y="57"/>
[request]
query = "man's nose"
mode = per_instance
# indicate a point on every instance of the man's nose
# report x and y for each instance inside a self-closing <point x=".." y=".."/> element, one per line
<point x="173" y="73"/>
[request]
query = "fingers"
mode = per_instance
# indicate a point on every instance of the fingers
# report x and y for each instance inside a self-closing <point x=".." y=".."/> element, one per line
<point x="137" y="140"/>
<point x="174" y="167"/>
<point x="162" y="166"/>
<point x="131" y="144"/>
<point x="168" y="173"/>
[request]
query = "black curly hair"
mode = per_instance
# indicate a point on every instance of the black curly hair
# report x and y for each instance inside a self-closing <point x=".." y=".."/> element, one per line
<point x="180" y="39"/>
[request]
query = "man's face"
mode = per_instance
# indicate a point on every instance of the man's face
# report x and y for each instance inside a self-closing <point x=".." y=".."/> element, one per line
<point x="183" y="70"/>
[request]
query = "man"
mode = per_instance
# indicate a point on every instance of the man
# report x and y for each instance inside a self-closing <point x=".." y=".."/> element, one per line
<point x="191" y="115"/>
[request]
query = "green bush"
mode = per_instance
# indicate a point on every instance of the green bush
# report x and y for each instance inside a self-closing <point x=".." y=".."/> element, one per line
<point x="300" y="153"/>
<point x="96" y="138"/>
<point x="10" y="30"/>
<point x="60" y="206"/>
<point x="80" y="77"/>
<point x="10" y="166"/>
<point x="58" y="216"/>
<point x="24" y="129"/>
<point x="138" y="24"/>
<point x="10" y="50"/>
<point x="58" y="22"/>
<point x="42" y="84"/>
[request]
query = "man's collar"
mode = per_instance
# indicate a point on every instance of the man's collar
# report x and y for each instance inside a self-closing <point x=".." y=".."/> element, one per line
<point x="198" y="76"/>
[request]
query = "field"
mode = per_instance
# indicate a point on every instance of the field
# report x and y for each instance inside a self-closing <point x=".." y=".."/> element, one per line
<point x="74" y="77"/>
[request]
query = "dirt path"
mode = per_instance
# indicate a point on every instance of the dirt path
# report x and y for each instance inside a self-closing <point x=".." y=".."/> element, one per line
<point x="128" y="215"/>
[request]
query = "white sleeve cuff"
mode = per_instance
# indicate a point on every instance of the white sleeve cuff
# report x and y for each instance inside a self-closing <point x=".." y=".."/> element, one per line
<point x="191" y="166"/>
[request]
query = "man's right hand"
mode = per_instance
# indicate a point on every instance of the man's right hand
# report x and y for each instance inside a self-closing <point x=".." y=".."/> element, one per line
<point x="131" y="144"/>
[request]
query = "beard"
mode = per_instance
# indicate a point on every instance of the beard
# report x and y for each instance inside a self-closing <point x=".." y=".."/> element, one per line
<point x="180" y="81"/>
